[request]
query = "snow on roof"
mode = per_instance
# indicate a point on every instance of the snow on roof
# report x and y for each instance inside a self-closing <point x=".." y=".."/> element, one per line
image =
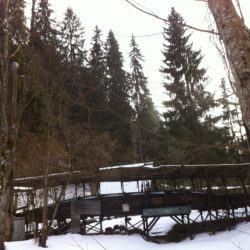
<point x="135" y="165"/>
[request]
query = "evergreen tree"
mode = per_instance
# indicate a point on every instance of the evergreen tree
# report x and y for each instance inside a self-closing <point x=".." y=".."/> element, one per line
<point x="43" y="31"/>
<point x="44" y="64"/>
<point x="120" y="110"/>
<point x="184" y="79"/>
<point x="17" y="26"/>
<point x="73" y="57"/>
<point x="97" y="58"/>
<point x="146" y="117"/>
<point x="140" y="92"/>
<point x="150" y="131"/>
<point x="72" y="44"/>
<point x="188" y="103"/>
<point x="232" y="121"/>
<point x="97" y="98"/>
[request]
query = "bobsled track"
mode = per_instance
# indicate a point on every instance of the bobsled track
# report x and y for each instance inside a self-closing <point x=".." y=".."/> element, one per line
<point x="218" y="192"/>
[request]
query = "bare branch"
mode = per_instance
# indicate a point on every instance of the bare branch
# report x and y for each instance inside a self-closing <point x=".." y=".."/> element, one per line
<point x="166" y="21"/>
<point x="15" y="52"/>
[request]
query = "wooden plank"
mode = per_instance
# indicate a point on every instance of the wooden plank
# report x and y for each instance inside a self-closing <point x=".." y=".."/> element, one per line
<point x="139" y="173"/>
<point x="166" y="211"/>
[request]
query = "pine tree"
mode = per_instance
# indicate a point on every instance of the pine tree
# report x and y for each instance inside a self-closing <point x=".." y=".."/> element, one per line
<point x="97" y="98"/>
<point x="150" y="131"/>
<point x="43" y="31"/>
<point x="140" y="92"/>
<point x="97" y="58"/>
<point x="18" y="27"/>
<point x="72" y="44"/>
<point x="73" y="57"/>
<point x="120" y="110"/>
<point x="44" y="63"/>
<point x="146" y="117"/>
<point x="188" y="101"/>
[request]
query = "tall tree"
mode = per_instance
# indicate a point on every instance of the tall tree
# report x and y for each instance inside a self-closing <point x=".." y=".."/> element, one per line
<point x="188" y="102"/>
<point x="73" y="58"/>
<point x="12" y="30"/>
<point x="45" y="63"/>
<point x="72" y="44"/>
<point x="184" y="79"/>
<point x="150" y="131"/>
<point x="144" y="109"/>
<point x="97" y="98"/>
<point x="43" y="31"/>
<point x="120" y="110"/>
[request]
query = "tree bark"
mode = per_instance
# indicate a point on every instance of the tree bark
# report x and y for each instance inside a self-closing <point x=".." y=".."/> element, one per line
<point x="236" y="39"/>
<point x="6" y="136"/>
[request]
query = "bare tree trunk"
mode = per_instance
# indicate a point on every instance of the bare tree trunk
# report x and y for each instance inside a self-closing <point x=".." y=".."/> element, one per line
<point x="44" y="236"/>
<point x="6" y="130"/>
<point x="32" y="22"/>
<point x="236" y="39"/>
<point x="45" y="229"/>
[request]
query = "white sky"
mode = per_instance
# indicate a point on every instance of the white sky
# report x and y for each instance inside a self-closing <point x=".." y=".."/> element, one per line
<point x="124" y="20"/>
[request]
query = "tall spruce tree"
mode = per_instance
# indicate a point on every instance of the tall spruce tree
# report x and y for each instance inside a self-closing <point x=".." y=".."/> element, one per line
<point x="97" y="58"/>
<point x="184" y="80"/>
<point x="145" y="115"/>
<point x="44" y="62"/>
<point x="140" y="92"/>
<point x="120" y="110"/>
<point x="43" y="30"/>
<point x="18" y="27"/>
<point x="73" y="55"/>
<point x="97" y="98"/>
<point x="72" y="44"/>
<point x="188" y="100"/>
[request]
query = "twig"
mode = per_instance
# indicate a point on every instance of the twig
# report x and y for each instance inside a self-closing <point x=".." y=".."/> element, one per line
<point x="236" y="244"/>
<point x="165" y="20"/>
<point x="99" y="243"/>
<point x="77" y="243"/>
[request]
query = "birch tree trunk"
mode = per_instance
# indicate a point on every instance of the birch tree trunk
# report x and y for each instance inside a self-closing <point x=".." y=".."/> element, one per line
<point x="236" y="39"/>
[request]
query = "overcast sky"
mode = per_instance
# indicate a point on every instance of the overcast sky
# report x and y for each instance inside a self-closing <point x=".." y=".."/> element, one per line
<point x="124" y="20"/>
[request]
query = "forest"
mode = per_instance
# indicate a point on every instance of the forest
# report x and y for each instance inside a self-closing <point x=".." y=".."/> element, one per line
<point x="65" y="107"/>
<point x="78" y="109"/>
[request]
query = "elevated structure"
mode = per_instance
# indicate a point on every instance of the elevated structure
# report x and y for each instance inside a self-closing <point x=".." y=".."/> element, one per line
<point x="215" y="191"/>
<point x="144" y="172"/>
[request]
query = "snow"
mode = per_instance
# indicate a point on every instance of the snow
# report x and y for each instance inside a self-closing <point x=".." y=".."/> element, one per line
<point x="147" y="164"/>
<point x="239" y="238"/>
<point x="129" y="187"/>
<point x="229" y="240"/>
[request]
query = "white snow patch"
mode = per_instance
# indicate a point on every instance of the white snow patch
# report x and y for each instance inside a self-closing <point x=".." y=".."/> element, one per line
<point x="229" y="240"/>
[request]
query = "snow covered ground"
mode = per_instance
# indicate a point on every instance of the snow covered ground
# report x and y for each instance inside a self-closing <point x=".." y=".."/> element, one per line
<point x="236" y="239"/>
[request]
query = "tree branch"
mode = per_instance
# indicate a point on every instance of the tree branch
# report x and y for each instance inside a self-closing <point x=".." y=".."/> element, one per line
<point x="166" y="21"/>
